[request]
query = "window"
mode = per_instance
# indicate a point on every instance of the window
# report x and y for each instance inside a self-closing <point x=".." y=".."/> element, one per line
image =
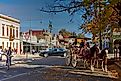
<point x="7" y="31"/>
<point x="10" y="44"/>
<point x="54" y="49"/>
<point x="13" y="44"/>
<point x="7" y="44"/>
<point x="10" y="31"/>
<point x="16" y="45"/>
<point x="3" y="29"/>
<point x="13" y="32"/>
<point x="37" y="41"/>
<point x="3" y="45"/>
<point x="17" y="32"/>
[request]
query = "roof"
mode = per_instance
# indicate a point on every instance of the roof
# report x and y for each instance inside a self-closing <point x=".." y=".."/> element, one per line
<point x="9" y="18"/>
<point x="37" y="32"/>
<point x="72" y="36"/>
<point x="81" y="36"/>
<point x="86" y="38"/>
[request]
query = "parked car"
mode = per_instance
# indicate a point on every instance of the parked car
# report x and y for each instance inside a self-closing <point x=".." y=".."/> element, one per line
<point x="54" y="52"/>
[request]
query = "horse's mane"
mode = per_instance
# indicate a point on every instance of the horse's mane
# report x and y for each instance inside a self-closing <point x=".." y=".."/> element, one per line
<point x="93" y="49"/>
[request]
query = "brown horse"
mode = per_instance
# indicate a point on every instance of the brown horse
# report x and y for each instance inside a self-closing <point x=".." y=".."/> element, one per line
<point x="94" y="55"/>
<point x="90" y="56"/>
<point x="102" y="56"/>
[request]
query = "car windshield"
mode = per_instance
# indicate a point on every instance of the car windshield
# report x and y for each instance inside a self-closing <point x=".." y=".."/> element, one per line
<point x="48" y="49"/>
<point x="61" y="49"/>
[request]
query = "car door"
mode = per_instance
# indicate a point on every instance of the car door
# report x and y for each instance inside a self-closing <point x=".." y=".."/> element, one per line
<point x="50" y="52"/>
<point x="54" y="51"/>
<point x="61" y="51"/>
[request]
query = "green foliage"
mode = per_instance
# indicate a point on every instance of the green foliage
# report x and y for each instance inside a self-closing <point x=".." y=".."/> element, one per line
<point x="102" y="11"/>
<point x="64" y="32"/>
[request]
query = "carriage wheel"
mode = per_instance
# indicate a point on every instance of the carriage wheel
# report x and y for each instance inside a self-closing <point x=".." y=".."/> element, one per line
<point x="68" y="58"/>
<point x="74" y="60"/>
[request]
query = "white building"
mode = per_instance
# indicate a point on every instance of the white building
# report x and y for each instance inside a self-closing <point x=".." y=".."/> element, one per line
<point x="33" y="39"/>
<point x="9" y="28"/>
<point x="37" y="39"/>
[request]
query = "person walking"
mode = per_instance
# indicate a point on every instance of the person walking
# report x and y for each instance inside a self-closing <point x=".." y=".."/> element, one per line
<point x="8" y="56"/>
<point x="1" y="52"/>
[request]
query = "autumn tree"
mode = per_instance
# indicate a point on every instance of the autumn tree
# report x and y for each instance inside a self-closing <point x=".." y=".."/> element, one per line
<point x="97" y="13"/>
<point x="64" y="32"/>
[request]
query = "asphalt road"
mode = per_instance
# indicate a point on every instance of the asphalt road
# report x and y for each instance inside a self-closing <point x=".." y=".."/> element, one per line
<point x="50" y="69"/>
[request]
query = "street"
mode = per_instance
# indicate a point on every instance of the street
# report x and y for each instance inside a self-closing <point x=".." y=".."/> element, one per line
<point x="50" y="69"/>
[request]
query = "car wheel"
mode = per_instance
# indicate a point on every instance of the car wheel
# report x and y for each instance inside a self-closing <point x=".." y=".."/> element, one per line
<point x="45" y="55"/>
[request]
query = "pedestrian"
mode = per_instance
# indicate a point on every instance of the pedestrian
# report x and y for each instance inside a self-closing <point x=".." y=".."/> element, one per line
<point x="82" y="43"/>
<point x="9" y="52"/>
<point x="1" y="52"/>
<point x="33" y="51"/>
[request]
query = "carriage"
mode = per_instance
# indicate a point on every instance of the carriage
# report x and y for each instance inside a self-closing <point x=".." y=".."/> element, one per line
<point x="89" y="57"/>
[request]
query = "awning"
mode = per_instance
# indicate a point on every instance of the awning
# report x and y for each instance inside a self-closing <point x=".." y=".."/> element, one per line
<point x="34" y="44"/>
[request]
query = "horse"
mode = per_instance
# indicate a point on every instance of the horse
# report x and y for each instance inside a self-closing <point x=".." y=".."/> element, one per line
<point x="90" y="56"/>
<point x="93" y="55"/>
<point x="98" y="55"/>
<point x="102" y="56"/>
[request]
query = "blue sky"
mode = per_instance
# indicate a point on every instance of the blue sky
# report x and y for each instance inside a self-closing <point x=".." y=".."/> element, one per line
<point x="27" y="11"/>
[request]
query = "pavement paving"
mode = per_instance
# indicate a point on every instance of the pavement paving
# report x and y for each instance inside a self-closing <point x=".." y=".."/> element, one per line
<point x="20" y="58"/>
<point x="20" y="66"/>
<point x="21" y="63"/>
<point x="54" y="74"/>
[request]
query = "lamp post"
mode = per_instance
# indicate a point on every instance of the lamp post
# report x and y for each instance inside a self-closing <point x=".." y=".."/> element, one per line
<point x="50" y="26"/>
<point x="50" y="30"/>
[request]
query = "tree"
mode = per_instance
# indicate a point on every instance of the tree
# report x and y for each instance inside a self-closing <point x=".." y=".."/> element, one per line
<point x="64" y="32"/>
<point x="96" y="12"/>
<point x="88" y="8"/>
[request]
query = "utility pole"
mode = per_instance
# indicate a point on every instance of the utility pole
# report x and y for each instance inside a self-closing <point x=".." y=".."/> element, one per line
<point x="30" y="32"/>
<point x="50" y="30"/>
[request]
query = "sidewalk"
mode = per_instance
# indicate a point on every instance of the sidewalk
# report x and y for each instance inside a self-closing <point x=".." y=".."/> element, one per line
<point x="20" y="58"/>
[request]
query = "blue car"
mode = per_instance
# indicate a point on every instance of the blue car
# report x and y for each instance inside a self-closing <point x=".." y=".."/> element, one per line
<point x="54" y="52"/>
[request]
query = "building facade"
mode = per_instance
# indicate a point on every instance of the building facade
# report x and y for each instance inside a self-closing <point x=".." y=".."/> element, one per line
<point x="9" y="33"/>
<point x="35" y="39"/>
